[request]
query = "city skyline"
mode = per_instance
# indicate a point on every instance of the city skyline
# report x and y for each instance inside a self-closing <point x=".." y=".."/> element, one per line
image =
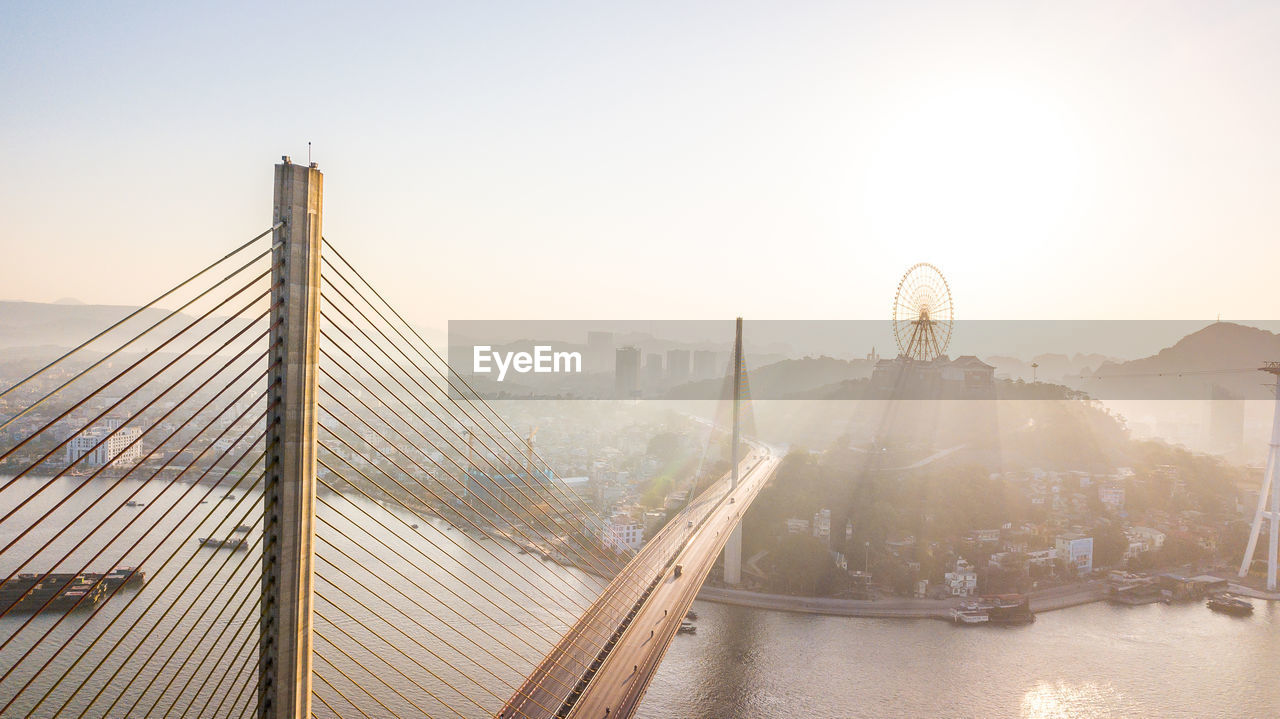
<point x="751" y="360"/>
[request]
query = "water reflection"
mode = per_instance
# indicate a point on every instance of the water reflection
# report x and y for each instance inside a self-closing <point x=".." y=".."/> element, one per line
<point x="1062" y="700"/>
<point x="1179" y="661"/>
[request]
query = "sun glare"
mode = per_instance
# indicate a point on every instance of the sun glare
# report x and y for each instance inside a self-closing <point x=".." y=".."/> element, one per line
<point x="983" y="162"/>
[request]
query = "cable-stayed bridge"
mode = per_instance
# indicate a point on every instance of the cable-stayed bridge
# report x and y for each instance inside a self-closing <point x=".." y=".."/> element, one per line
<point x="275" y="500"/>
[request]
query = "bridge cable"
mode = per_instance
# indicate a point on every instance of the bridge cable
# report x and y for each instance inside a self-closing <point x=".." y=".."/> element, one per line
<point x="513" y="473"/>
<point x="100" y="606"/>
<point x="138" y="311"/>
<point x="446" y="375"/>
<point x="171" y="363"/>
<point x="415" y="333"/>
<point x="178" y="572"/>
<point x="428" y="611"/>
<point x="453" y="541"/>
<point x="84" y="511"/>
<point x="455" y="448"/>
<point x="145" y="332"/>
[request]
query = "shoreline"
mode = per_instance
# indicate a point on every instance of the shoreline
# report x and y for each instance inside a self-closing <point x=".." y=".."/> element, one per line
<point x="1044" y="600"/>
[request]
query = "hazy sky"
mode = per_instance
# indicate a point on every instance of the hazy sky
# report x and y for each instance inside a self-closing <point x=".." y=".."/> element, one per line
<point x="660" y="160"/>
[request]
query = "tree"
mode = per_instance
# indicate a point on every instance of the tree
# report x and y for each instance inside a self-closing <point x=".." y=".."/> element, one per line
<point x="1109" y="545"/>
<point x="665" y="447"/>
<point x="801" y="564"/>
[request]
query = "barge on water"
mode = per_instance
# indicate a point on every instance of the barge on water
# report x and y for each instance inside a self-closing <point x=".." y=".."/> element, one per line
<point x="1005" y="609"/>
<point x="233" y="543"/>
<point x="1230" y="604"/>
<point x="64" y="591"/>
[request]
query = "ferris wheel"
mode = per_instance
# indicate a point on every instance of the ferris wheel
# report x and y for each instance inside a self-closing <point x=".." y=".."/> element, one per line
<point x="922" y="313"/>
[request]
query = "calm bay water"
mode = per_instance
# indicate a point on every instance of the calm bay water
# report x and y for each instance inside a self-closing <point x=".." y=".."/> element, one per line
<point x="420" y="615"/>
<point x="1090" y="662"/>
<point x="1094" y="662"/>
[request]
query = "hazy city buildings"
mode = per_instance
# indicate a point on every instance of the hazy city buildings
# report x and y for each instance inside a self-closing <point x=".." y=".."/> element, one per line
<point x="1226" y="420"/>
<point x="599" y="351"/>
<point x="677" y="366"/>
<point x="98" y="449"/>
<point x="704" y="365"/>
<point x="626" y="372"/>
<point x="652" y="370"/>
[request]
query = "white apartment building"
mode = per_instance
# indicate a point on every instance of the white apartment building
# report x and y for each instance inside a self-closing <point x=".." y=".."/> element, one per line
<point x="1077" y="551"/>
<point x="622" y="533"/>
<point x="963" y="582"/>
<point x="115" y="451"/>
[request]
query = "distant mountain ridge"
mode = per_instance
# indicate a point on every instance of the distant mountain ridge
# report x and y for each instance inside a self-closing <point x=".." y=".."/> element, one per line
<point x="1223" y="354"/>
<point x="788" y="378"/>
<point x="36" y="324"/>
<point x="46" y="329"/>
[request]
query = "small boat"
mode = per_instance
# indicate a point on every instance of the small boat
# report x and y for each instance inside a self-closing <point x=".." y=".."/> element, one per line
<point x="132" y="503"/>
<point x="234" y="543"/>
<point x="241" y="529"/>
<point x="687" y="628"/>
<point x="413" y="526"/>
<point x="1007" y="609"/>
<point x="969" y="616"/>
<point x="691" y="615"/>
<point x="1228" y="604"/>
<point x="229" y="496"/>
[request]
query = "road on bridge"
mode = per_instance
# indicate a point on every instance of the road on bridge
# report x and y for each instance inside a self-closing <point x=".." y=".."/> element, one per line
<point x="692" y="539"/>
<point x="620" y="683"/>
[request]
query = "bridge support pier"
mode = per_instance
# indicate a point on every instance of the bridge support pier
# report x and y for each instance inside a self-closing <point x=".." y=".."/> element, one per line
<point x="289" y="491"/>
<point x="733" y="548"/>
<point x="733" y="557"/>
<point x="1270" y="490"/>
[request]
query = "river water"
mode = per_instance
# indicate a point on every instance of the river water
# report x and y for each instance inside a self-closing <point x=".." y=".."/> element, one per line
<point x="420" y="615"/>
<point x="1090" y="662"/>
<point x="1093" y="661"/>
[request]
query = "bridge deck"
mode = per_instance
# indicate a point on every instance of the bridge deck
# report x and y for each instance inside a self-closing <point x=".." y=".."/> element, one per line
<point x="638" y="614"/>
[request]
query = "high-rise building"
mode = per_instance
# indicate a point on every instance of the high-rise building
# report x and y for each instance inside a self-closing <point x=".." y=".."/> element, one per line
<point x="677" y="366"/>
<point x="1226" y="420"/>
<point x="599" y="352"/>
<point x="652" y="370"/>
<point x="705" y="365"/>
<point x="626" y="372"/>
